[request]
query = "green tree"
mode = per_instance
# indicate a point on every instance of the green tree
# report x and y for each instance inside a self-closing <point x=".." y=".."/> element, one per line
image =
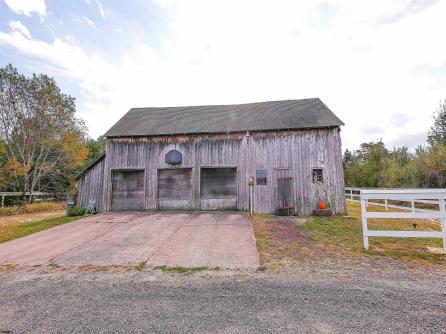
<point x="41" y="136"/>
<point x="399" y="169"/>
<point x="437" y="133"/>
<point x="430" y="166"/>
<point x="375" y="166"/>
<point x="372" y="156"/>
<point x="352" y="169"/>
<point x="96" y="147"/>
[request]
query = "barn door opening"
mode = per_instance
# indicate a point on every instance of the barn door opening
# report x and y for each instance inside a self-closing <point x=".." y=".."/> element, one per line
<point x="127" y="190"/>
<point x="218" y="188"/>
<point x="175" y="189"/>
<point x="285" y="193"/>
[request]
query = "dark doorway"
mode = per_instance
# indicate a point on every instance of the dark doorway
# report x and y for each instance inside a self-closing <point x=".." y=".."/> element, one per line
<point x="285" y="191"/>
<point x="218" y="188"/>
<point x="175" y="189"/>
<point x="127" y="190"/>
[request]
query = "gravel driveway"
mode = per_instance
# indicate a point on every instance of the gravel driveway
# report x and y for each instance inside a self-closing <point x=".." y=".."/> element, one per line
<point x="140" y="302"/>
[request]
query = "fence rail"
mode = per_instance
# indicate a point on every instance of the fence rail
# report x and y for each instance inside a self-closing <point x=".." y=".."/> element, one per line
<point x="353" y="195"/>
<point x="35" y="194"/>
<point x="430" y="196"/>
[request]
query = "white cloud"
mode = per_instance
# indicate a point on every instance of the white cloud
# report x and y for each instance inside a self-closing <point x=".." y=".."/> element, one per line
<point x="27" y="7"/>
<point x="88" y="21"/>
<point x="367" y="70"/>
<point x="18" y="27"/>
<point x="108" y="89"/>
<point x="101" y="9"/>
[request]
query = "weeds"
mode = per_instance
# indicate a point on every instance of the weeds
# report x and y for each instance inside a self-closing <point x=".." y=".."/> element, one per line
<point x="181" y="270"/>
<point x="140" y="266"/>
<point x="32" y="208"/>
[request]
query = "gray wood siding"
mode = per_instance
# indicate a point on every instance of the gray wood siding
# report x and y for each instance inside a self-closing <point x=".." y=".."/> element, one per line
<point x="127" y="190"/>
<point x="175" y="189"/>
<point x="90" y="186"/>
<point x="291" y="153"/>
<point x="218" y="187"/>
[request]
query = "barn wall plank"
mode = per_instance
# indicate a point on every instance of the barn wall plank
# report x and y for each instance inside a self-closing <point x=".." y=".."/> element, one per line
<point x="295" y="152"/>
<point x="128" y="190"/>
<point x="90" y="186"/>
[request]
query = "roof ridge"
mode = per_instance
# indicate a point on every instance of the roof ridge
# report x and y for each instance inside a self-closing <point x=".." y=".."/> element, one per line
<point x="223" y="105"/>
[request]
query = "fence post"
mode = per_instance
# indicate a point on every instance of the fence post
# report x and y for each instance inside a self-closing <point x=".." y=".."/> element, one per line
<point x="443" y="222"/>
<point x="351" y="195"/>
<point x="364" y="223"/>
<point x="386" y="204"/>
<point x="413" y="205"/>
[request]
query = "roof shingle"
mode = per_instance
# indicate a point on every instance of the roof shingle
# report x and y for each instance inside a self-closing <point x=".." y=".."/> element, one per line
<point x="273" y="115"/>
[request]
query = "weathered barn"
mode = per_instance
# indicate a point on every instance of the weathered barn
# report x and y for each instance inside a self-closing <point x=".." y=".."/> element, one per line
<point x="271" y="156"/>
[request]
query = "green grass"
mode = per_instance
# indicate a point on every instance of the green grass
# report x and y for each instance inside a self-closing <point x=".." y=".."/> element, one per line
<point x="335" y="231"/>
<point x="18" y="230"/>
<point x="263" y="240"/>
<point x="341" y="237"/>
<point x="344" y="236"/>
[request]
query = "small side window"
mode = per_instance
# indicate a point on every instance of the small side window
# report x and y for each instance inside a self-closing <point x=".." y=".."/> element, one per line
<point x="261" y="177"/>
<point x="318" y="175"/>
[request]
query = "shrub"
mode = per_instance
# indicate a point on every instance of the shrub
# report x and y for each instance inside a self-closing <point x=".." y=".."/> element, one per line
<point x="76" y="212"/>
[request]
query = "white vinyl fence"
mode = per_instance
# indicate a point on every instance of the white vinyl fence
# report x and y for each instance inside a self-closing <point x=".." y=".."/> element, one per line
<point x="353" y="195"/>
<point x="430" y="196"/>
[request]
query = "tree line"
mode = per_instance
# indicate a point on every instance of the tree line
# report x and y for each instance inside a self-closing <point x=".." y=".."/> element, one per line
<point x="43" y="145"/>
<point x="373" y="165"/>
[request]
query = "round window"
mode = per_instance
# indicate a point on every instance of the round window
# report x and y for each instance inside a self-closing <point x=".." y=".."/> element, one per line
<point x="173" y="157"/>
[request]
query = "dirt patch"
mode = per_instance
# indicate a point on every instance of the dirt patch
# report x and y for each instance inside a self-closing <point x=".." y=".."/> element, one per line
<point x="285" y="230"/>
<point x="277" y="236"/>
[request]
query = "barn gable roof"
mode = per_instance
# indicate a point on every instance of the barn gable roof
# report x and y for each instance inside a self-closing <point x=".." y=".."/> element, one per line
<point x="273" y="115"/>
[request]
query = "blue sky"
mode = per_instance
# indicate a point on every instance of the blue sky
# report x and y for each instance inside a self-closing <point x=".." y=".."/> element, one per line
<point x="379" y="65"/>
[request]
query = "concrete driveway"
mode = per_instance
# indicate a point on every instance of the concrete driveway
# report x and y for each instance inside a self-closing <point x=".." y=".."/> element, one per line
<point x="214" y="239"/>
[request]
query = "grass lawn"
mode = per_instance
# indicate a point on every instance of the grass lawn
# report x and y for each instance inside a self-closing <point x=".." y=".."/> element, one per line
<point x="17" y="230"/>
<point x="286" y="239"/>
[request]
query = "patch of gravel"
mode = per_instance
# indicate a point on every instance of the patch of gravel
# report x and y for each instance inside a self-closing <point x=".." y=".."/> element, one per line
<point x="324" y="297"/>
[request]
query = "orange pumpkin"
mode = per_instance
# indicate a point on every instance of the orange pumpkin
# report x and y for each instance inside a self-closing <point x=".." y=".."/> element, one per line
<point x="322" y="205"/>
